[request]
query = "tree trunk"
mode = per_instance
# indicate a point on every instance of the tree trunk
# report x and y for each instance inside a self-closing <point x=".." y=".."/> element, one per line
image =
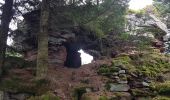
<point x="74" y="2"/>
<point x="97" y="2"/>
<point x="42" y="57"/>
<point x="7" y="14"/>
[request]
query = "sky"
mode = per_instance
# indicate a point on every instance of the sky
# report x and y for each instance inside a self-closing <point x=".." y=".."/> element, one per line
<point x="139" y="4"/>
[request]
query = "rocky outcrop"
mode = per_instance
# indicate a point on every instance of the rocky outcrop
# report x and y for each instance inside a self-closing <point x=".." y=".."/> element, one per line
<point x="161" y="26"/>
<point x="138" y="22"/>
<point x="25" y="38"/>
<point x="62" y="30"/>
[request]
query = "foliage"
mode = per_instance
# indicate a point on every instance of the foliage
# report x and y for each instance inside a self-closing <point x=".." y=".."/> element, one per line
<point x="107" y="70"/>
<point x="103" y="98"/>
<point x="138" y="13"/>
<point x="162" y="88"/>
<point x="162" y="6"/>
<point x="125" y="36"/>
<point x="14" y="54"/>
<point x="103" y="19"/>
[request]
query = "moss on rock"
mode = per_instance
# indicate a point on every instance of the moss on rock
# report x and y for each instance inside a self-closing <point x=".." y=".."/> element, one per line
<point x="17" y="85"/>
<point x="162" y="88"/>
<point x="148" y="64"/>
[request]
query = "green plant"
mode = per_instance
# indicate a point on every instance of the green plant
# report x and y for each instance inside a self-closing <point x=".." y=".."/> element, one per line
<point x="162" y="88"/>
<point x="103" y="98"/>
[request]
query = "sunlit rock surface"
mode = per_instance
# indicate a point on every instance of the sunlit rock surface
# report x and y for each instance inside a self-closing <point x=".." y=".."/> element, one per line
<point x="162" y="26"/>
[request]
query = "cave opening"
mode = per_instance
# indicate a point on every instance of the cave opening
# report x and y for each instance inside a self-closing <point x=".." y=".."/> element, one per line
<point x="76" y="56"/>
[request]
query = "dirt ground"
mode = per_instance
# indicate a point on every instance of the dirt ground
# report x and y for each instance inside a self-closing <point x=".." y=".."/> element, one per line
<point x="64" y="80"/>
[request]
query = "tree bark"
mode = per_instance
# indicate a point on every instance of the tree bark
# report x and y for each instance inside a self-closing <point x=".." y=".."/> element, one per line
<point x="42" y="57"/>
<point x="7" y="14"/>
<point x="97" y="2"/>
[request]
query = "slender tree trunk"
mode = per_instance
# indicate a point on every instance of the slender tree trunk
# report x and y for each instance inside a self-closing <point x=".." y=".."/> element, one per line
<point x="7" y="14"/>
<point x="97" y="2"/>
<point x="42" y="57"/>
<point x="74" y="2"/>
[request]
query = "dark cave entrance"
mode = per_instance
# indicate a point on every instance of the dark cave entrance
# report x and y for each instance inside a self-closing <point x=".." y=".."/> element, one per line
<point x="73" y="59"/>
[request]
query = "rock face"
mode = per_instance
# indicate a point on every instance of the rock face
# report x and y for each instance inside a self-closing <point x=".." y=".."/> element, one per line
<point x="136" y="22"/>
<point x="25" y="38"/>
<point x="162" y="26"/>
<point x="159" y="23"/>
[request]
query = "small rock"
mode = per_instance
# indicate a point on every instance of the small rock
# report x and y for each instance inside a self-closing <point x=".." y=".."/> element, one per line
<point x="88" y="90"/>
<point x="123" y="79"/>
<point x="123" y="82"/>
<point x="119" y="87"/>
<point x="145" y="84"/>
<point x="122" y="71"/>
<point x="115" y="77"/>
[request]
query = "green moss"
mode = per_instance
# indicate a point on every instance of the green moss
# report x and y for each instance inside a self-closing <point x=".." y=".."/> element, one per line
<point x="18" y="62"/>
<point x="148" y="64"/>
<point x="107" y="85"/>
<point x="162" y="88"/>
<point x="123" y="61"/>
<point x="107" y="70"/>
<point x="124" y="36"/>
<point x="17" y="85"/>
<point x="46" y="96"/>
<point x="14" y="85"/>
<point x="123" y="58"/>
<point x="104" y="70"/>
<point x="13" y="62"/>
<point x="103" y="98"/>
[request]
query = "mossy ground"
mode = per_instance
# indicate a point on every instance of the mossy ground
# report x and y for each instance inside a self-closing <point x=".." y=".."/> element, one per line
<point x="147" y="64"/>
<point x="20" y="86"/>
<point x="162" y="88"/>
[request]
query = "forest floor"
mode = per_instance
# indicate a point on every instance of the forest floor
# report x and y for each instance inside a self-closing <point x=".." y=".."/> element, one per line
<point x="100" y="79"/>
<point x="64" y="80"/>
